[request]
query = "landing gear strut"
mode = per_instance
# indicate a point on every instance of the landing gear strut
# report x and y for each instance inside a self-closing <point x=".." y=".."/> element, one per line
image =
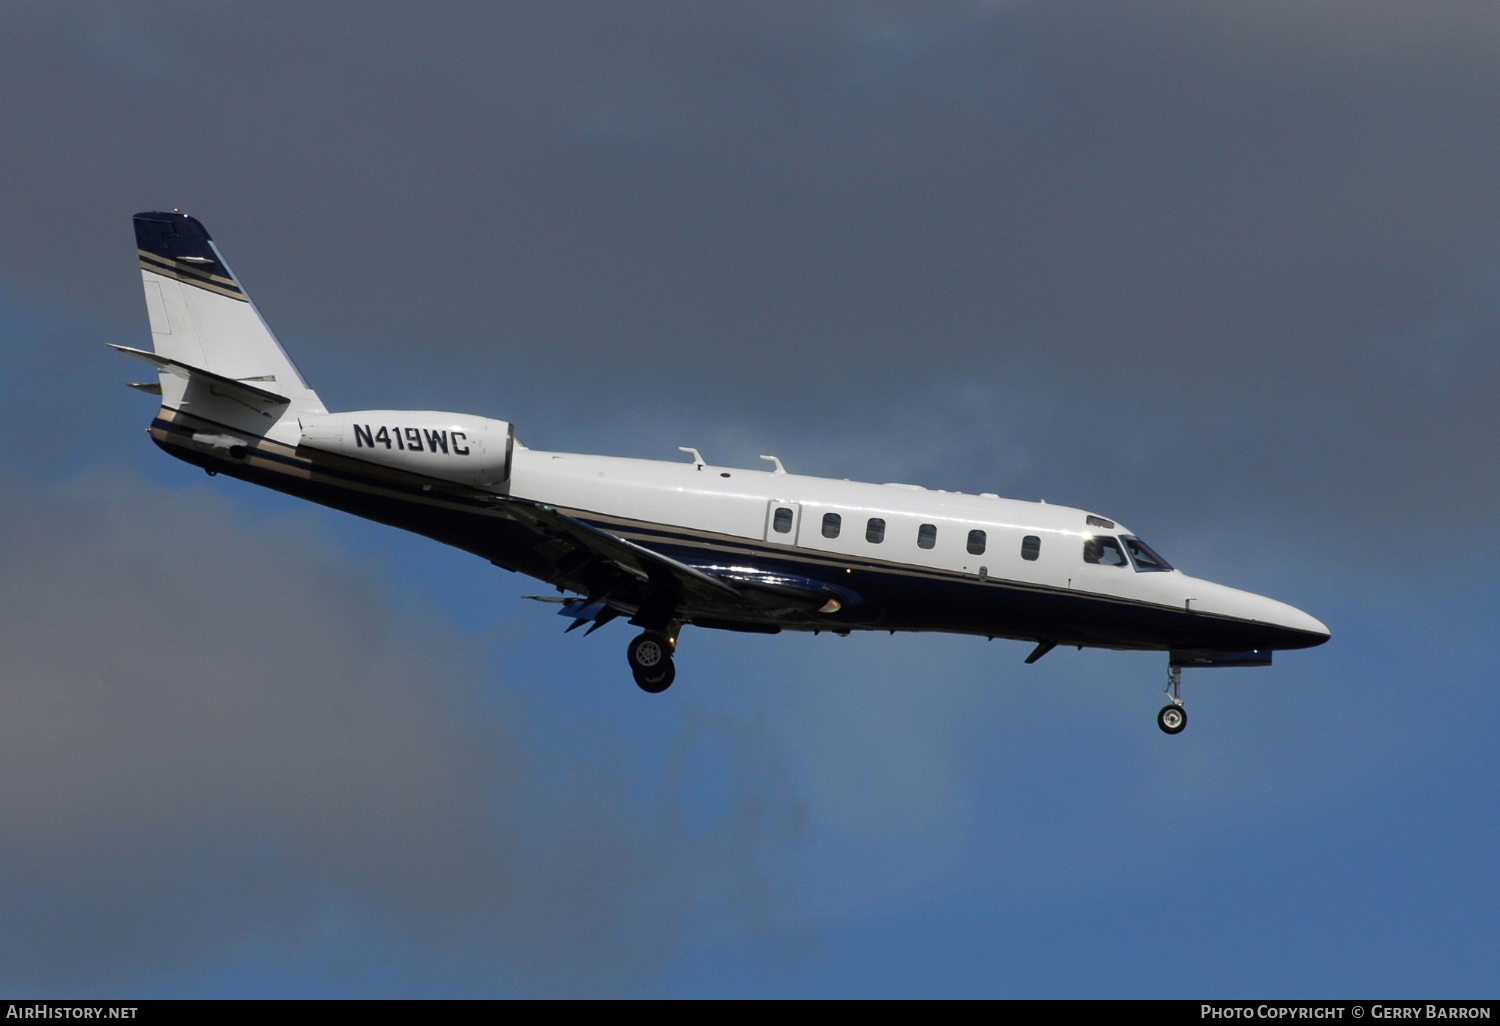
<point x="650" y="656"/>
<point x="1173" y="717"/>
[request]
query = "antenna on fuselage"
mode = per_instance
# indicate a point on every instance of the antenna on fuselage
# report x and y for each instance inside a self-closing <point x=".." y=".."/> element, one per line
<point x="779" y="468"/>
<point x="698" y="460"/>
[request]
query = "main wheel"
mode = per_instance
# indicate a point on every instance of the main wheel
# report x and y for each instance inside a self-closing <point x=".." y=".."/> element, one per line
<point x="1172" y="719"/>
<point x="648" y="652"/>
<point x="657" y="680"/>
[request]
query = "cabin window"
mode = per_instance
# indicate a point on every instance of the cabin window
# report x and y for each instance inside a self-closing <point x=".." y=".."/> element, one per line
<point x="831" y="524"/>
<point x="1104" y="551"/>
<point x="875" y="530"/>
<point x="1145" y="557"/>
<point x="1031" y="547"/>
<point x="781" y="523"/>
<point x="976" y="543"/>
<point x="926" y="536"/>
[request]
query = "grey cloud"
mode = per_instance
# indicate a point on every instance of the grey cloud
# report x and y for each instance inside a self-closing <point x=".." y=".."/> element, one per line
<point x="1225" y="271"/>
<point x="213" y="734"/>
<point x="1239" y="253"/>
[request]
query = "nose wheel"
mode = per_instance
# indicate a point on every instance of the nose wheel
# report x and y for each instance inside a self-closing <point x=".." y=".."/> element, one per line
<point x="1173" y="718"/>
<point x="650" y="656"/>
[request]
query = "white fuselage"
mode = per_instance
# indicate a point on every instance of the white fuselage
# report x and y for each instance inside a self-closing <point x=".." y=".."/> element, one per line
<point x="738" y="503"/>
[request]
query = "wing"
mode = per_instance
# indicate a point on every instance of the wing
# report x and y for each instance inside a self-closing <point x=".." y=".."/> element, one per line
<point x="627" y="577"/>
<point x="595" y="545"/>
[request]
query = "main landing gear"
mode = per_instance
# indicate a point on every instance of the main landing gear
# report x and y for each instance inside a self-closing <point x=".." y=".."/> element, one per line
<point x="650" y="656"/>
<point x="1172" y="718"/>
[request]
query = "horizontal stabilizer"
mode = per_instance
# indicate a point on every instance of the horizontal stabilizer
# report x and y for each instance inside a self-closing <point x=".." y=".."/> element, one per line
<point x="219" y="384"/>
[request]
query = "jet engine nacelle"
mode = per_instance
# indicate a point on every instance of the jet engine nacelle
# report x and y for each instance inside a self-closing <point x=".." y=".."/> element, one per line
<point x="455" y="447"/>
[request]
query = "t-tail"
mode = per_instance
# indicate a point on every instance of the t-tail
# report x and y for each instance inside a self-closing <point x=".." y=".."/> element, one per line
<point x="233" y="402"/>
<point x="215" y="357"/>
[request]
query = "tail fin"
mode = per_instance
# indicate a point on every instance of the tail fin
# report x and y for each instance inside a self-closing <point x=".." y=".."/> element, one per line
<point x="202" y="320"/>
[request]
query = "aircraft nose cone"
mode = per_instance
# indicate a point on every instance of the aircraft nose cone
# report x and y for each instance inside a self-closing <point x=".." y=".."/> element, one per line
<point x="1272" y="624"/>
<point x="1299" y="629"/>
<point x="1316" y="629"/>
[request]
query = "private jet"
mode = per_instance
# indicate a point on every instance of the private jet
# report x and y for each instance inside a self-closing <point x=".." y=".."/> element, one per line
<point x="667" y="544"/>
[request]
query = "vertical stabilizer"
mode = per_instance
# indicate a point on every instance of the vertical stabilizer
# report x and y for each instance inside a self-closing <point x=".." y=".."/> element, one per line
<point x="201" y="318"/>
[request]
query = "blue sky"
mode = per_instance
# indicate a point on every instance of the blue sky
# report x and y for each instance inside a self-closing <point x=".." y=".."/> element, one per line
<point x="1225" y="272"/>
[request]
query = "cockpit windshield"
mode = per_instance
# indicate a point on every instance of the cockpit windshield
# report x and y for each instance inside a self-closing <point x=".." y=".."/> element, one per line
<point x="1104" y="551"/>
<point x="1145" y="558"/>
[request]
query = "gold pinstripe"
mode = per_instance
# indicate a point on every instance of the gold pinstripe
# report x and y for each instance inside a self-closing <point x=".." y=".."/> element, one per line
<point x="216" y="283"/>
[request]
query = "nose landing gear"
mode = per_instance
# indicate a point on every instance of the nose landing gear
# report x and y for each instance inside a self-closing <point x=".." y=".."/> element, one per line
<point x="1173" y="718"/>
<point x="650" y="656"/>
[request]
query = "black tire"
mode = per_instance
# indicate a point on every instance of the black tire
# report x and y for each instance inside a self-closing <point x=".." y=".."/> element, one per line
<point x="656" y="680"/>
<point x="1172" y="719"/>
<point x="647" y="652"/>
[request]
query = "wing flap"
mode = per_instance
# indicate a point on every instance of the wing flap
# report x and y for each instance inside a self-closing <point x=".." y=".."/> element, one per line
<point x="616" y="572"/>
<point x="659" y="571"/>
